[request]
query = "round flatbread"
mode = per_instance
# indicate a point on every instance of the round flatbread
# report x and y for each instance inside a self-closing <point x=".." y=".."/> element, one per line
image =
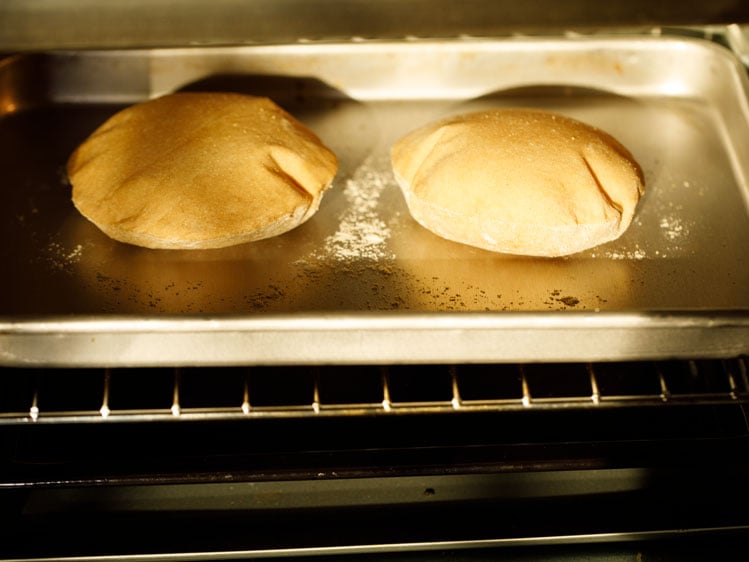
<point x="518" y="181"/>
<point x="200" y="170"/>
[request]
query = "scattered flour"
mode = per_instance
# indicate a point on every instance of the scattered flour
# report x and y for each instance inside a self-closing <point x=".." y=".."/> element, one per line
<point x="673" y="228"/>
<point x="637" y="254"/>
<point x="361" y="233"/>
<point x="63" y="258"/>
<point x="668" y="232"/>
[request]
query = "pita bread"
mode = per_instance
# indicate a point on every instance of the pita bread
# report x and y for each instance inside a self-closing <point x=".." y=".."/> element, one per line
<point x="200" y="170"/>
<point x="518" y="181"/>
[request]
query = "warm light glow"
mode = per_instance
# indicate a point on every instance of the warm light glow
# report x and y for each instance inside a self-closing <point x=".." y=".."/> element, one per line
<point x="8" y="106"/>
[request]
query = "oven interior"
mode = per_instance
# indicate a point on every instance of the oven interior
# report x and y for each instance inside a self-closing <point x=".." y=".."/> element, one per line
<point x="196" y="463"/>
<point x="566" y="429"/>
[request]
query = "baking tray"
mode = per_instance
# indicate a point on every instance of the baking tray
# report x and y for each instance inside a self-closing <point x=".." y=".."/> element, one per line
<point x="361" y="282"/>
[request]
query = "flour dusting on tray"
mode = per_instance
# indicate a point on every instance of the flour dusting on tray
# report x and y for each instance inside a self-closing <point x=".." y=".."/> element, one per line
<point x="362" y="234"/>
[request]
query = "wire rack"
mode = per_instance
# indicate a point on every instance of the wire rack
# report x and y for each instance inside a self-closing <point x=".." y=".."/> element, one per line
<point x="145" y="394"/>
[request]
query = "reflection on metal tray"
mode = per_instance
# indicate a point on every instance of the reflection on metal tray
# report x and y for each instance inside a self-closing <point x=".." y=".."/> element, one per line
<point x="362" y="282"/>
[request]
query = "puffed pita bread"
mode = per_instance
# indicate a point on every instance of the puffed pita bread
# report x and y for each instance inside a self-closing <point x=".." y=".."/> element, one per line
<point x="518" y="181"/>
<point x="200" y="170"/>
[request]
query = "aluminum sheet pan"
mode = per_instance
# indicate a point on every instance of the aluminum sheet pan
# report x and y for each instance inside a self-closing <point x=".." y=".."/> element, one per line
<point x="361" y="281"/>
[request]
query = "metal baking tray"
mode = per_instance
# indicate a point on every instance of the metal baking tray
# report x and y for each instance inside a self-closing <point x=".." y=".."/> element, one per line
<point x="361" y="282"/>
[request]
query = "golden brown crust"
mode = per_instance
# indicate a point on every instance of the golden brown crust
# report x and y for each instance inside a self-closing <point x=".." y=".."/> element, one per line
<point x="518" y="181"/>
<point x="200" y="170"/>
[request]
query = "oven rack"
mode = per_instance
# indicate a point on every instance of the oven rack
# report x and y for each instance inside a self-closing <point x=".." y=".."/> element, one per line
<point x="202" y="393"/>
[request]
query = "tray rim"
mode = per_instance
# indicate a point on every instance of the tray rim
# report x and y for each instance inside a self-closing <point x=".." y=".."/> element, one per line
<point x="627" y="40"/>
<point x="401" y="337"/>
